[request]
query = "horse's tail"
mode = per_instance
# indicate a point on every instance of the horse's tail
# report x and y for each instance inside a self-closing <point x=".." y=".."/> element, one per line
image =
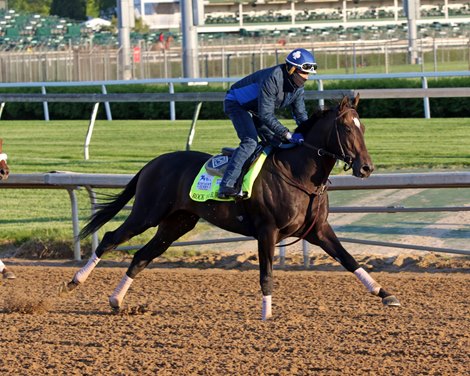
<point x="109" y="209"/>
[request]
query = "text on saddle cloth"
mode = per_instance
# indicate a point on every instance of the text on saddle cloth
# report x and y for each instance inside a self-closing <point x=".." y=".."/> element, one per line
<point x="207" y="182"/>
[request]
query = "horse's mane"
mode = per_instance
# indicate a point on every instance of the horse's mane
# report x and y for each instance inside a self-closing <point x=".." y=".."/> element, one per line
<point x="318" y="114"/>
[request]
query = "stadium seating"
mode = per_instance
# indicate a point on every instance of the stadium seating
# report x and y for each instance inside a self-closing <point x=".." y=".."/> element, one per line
<point x="25" y="31"/>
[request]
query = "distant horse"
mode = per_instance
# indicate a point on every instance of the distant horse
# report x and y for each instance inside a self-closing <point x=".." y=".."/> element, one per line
<point x="289" y="199"/>
<point x="4" y="170"/>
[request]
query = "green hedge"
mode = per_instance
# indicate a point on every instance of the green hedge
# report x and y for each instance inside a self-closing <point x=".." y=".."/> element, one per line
<point x="369" y="108"/>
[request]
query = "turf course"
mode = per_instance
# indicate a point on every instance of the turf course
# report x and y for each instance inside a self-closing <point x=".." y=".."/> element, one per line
<point x="125" y="146"/>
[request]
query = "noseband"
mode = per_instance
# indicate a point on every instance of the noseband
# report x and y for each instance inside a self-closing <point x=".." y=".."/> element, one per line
<point x="347" y="159"/>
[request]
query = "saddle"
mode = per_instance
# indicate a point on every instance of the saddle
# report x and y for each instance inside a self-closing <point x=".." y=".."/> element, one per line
<point x="217" y="164"/>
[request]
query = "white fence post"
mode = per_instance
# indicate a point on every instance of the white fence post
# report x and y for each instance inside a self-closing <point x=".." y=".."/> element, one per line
<point x="305" y="252"/>
<point x="282" y="253"/>
<point x="427" y="109"/>
<point x="75" y="224"/>
<point x="45" y="105"/>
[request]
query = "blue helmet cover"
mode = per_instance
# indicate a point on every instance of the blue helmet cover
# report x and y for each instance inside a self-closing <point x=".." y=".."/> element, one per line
<point x="303" y="60"/>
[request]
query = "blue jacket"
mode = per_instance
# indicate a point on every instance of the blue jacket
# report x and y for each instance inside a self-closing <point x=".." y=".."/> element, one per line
<point x="267" y="90"/>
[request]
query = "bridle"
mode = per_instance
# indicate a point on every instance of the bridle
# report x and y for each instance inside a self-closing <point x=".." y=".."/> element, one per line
<point x="347" y="159"/>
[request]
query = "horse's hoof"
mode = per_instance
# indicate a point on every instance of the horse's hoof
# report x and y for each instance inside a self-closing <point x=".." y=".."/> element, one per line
<point x="115" y="310"/>
<point x="114" y="303"/>
<point x="391" y="301"/>
<point x="67" y="287"/>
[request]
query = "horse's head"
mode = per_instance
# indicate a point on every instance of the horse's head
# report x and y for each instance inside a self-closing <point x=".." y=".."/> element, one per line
<point x="4" y="170"/>
<point x="350" y="139"/>
<point x="338" y="133"/>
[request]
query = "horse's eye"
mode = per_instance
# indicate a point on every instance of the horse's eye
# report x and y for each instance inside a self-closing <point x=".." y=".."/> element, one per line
<point x="347" y="129"/>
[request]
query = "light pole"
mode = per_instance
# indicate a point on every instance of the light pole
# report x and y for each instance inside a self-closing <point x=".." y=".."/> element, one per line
<point x="189" y="20"/>
<point x="412" y="14"/>
<point x="126" y="22"/>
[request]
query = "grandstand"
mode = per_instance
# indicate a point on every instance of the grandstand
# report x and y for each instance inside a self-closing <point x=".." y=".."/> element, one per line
<point x="232" y="15"/>
<point x="276" y="22"/>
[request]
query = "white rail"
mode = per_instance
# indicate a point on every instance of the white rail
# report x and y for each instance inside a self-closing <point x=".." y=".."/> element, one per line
<point x="73" y="181"/>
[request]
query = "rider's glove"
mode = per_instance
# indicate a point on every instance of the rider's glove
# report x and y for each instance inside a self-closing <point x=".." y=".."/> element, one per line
<point x="295" y="138"/>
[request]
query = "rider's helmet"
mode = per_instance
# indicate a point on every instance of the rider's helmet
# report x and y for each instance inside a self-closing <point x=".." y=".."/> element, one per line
<point x="302" y="60"/>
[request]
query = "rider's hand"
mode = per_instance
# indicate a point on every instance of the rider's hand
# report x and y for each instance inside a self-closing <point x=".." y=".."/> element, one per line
<point x="295" y="138"/>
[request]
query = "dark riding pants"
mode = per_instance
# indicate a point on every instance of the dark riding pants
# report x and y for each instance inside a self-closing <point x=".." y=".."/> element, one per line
<point x="246" y="131"/>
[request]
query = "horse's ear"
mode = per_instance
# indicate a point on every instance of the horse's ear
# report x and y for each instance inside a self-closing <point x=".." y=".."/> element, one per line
<point x="356" y="100"/>
<point x="344" y="102"/>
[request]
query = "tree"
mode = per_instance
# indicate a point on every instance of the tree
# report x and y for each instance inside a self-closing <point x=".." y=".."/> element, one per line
<point x="28" y="6"/>
<point x="73" y="9"/>
<point x="92" y="8"/>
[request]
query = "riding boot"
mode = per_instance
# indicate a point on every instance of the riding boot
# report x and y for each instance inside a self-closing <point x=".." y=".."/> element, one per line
<point x="228" y="186"/>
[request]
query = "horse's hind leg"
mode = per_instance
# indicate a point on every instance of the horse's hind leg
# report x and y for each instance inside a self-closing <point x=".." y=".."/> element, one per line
<point x="131" y="227"/>
<point x="327" y="240"/>
<point x="169" y="230"/>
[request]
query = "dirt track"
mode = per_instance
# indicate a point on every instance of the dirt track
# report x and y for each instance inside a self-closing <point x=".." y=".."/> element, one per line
<point x="207" y="322"/>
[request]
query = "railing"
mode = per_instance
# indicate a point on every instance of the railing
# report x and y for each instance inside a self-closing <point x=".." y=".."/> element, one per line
<point x="73" y="181"/>
<point x="201" y="97"/>
<point x="310" y="95"/>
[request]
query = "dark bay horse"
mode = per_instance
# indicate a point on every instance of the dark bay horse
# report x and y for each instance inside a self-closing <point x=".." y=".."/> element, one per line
<point x="288" y="200"/>
<point x="4" y="170"/>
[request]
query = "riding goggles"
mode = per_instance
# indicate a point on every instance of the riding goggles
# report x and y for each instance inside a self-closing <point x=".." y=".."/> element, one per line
<point x="309" y="67"/>
<point x="305" y="67"/>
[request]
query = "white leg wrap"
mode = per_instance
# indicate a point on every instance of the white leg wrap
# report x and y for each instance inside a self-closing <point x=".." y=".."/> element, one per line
<point x="118" y="295"/>
<point x="2" y="266"/>
<point x="84" y="272"/>
<point x="368" y="281"/>
<point x="266" y="310"/>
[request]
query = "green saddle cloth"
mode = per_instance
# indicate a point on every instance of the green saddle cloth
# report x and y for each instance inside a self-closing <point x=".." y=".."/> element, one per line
<point x="206" y="186"/>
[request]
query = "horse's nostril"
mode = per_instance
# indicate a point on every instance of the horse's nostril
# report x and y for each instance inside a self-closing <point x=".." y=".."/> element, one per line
<point x="366" y="169"/>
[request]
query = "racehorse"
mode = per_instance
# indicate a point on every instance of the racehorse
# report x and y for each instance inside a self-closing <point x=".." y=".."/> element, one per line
<point x="4" y="170"/>
<point x="289" y="199"/>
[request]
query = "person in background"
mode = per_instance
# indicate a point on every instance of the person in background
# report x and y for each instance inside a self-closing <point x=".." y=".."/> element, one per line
<point x="251" y="104"/>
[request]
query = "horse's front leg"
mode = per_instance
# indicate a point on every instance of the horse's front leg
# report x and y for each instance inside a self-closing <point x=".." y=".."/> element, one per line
<point x="266" y="243"/>
<point x="325" y="237"/>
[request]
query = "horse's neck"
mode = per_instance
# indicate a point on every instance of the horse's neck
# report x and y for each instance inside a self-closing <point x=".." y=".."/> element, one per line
<point x="320" y="137"/>
<point x="304" y="164"/>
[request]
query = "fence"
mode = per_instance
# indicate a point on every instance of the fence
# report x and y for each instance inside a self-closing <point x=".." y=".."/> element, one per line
<point x="201" y="97"/>
<point x="233" y="58"/>
<point x="73" y="181"/>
